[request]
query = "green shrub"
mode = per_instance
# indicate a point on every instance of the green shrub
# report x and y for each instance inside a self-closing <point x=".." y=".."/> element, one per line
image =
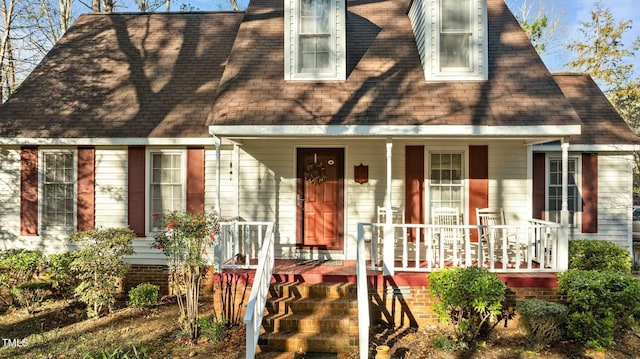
<point x="543" y="321"/>
<point x="60" y="273"/>
<point x="30" y="295"/>
<point x="99" y="265"/>
<point x="598" y="255"/>
<point x="17" y="266"/>
<point x="211" y="329"/>
<point x="470" y="298"/>
<point x="143" y="295"/>
<point x="600" y="304"/>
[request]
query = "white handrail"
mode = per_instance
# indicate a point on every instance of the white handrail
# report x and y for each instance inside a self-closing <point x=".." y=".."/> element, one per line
<point x="259" y="293"/>
<point x="363" y="296"/>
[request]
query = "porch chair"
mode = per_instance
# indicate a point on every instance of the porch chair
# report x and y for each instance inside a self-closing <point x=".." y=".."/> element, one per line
<point x="497" y="237"/>
<point x="448" y="236"/>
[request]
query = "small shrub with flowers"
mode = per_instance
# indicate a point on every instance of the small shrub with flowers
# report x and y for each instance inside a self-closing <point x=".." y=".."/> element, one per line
<point x="184" y="241"/>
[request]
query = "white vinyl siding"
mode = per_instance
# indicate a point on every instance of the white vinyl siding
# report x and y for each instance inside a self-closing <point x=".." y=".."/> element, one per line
<point x="111" y="187"/>
<point x="615" y="188"/>
<point x="9" y="197"/>
<point x="451" y="37"/>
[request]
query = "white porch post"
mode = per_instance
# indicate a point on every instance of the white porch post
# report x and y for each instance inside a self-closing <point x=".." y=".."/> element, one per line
<point x="388" y="254"/>
<point x="217" y="142"/>
<point x="563" y="241"/>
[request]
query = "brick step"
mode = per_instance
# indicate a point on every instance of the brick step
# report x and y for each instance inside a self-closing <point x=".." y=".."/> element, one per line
<point x="310" y="323"/>
<point x="316" y="290"/>
<point x="317" y="306"/>
<point x="308" y="342"/>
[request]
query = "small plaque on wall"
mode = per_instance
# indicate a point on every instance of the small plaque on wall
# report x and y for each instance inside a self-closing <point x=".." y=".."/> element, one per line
<point x="361" y="173"/>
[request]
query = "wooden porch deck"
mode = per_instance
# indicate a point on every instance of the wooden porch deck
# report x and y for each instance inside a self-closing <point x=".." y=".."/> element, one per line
<point x="344" y="271"/>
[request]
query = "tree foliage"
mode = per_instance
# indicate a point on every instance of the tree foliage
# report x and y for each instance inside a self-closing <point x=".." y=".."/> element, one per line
<point x="543" y="28"/>
<point x="601" y="53"/>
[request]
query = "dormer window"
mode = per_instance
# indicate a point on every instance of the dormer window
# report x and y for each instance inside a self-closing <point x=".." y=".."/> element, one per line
<point x="315" y="40"/>
<point x="455" y="35"/>
<point x="452" y="38"/>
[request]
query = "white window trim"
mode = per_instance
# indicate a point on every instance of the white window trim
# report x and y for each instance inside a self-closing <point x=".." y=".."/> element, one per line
<point x="577" y="220"/>
<point x="465" y="178"/>
<point x="337" y="42"/>
<point x="41" y="199"/>
<point x="148" y="172"/>
<point x="479" y="45"/>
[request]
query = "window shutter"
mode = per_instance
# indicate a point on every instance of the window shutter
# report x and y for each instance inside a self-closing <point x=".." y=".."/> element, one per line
<point x="478" y="183"/>
<point x="539" y="186"/>
<point x="86" y="189"/>
<point x="414" y="187"/>
<point x="29" y="191"/>
<point x="136" y="190"/>
<point x="589" y="193"/>
<point x="195" y="180"/>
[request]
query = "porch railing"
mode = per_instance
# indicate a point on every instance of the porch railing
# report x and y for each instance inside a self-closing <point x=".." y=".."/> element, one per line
<point x="423" y="247"/>
<point x="241" y="244"/>
<point x="263" y="233"/>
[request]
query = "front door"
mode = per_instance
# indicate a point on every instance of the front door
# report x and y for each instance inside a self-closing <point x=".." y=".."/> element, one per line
<point x="320" y="197"/>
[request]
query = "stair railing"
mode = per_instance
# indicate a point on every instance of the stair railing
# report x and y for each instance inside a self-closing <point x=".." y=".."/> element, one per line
<point x="363" y="295"/>
<point x="259" y="292"/>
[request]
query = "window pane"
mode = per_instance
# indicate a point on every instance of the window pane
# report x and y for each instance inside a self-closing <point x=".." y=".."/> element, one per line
<point x="58" y="190"/>
<point x="454" y="50"/>
<point x="166" y="186"/>
<point x="554" y="205"/>
<point x="314" y="16"/>
<point x="446" y="182"/>
<point x="455" y="15"/>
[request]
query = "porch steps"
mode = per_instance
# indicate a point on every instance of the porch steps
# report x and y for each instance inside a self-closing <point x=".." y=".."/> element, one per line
<point x="318" y="319"/>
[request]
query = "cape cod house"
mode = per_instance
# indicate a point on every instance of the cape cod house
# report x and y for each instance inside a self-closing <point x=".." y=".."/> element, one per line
<point x="320" y="117"/>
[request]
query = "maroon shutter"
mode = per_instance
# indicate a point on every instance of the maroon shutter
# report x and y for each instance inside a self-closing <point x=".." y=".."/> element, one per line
<point x="414" y="188"/>
<point x="86" y="188"/>
<point x="539" y="186"/>
<point x="589" y="193"/>
<point x="478" y="183"/>
<point x="29" y="191"/>
<point x="195" y="180"/>
<point x="136" y="191"/>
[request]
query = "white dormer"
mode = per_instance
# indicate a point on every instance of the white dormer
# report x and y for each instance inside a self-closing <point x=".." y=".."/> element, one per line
<point x="451" y="36"/>
<point x="315" y="40"/>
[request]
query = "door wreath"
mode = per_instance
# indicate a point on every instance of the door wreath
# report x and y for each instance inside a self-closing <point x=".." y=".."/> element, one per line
<point x="315" y="173"/>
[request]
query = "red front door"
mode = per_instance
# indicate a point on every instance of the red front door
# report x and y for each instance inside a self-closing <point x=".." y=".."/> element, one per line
<point x="320" y="197"/>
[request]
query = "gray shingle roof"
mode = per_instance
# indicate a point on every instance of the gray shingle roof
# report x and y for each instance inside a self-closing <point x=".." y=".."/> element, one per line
<point x="125" y="75"/>
<point x="601" y="123"/>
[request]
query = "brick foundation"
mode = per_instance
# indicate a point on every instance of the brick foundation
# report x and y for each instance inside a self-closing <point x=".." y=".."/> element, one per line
<point x="154" y="274"/>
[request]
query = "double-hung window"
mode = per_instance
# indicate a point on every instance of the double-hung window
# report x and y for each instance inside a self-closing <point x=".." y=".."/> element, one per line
<point x="166" y="186"/>
<point x="452" y="38"/>
<point x="58" y="184"/>
<point x="554" y="196"/>
<point x="314" y="36"/>
<point x="446" y="180"/>
<point x="315" y="40"/>
<point x="455" y="36"/>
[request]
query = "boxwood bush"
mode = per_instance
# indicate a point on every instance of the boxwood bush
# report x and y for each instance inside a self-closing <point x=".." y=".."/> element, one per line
<point x="470" y="298"/>
<point x="600" y="304"/>
<point x="598" y="255"/>
<point x="143" y="295"/>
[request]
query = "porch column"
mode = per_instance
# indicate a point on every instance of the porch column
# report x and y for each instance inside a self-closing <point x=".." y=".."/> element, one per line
<point x="388" y="254"/>
<point x="563" y="242"/>
<point x="217" y="141"/>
